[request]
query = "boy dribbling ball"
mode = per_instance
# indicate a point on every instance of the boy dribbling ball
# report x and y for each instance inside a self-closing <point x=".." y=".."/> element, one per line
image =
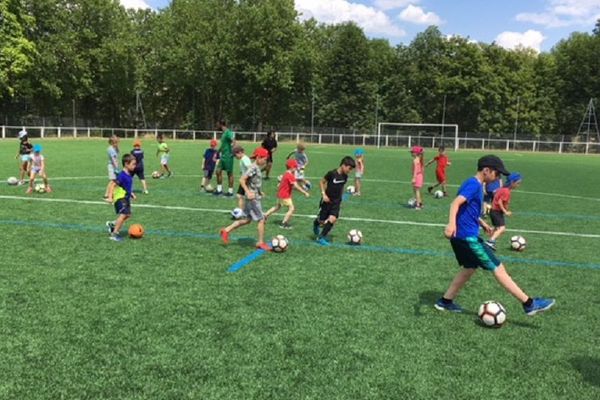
<point x="284" y="194"/>
<point x="120" y="192"/>
<point x="37" y="166"/>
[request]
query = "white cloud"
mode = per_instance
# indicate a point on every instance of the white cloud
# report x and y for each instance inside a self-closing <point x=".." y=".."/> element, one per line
<point x="511" y="40"/>
<point x="417" y="15"/>
<point x="561" y="13"/>
<point x="374" y="22"/>
<point x="393" y="4"/>
<point x="137" y="4"/>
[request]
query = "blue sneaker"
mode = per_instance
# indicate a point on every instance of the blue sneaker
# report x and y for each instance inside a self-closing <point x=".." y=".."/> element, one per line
<point x="323" y="242"/>
<point x="316" y="230"/>
<point x="453" y="307"/>
<point x="539" y="305"/>
<point x="116" y="238"/>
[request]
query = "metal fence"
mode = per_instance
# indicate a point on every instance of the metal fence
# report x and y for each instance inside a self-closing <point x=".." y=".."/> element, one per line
<point x="353" y="139"/>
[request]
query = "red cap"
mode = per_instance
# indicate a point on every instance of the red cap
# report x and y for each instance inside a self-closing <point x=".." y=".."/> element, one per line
<point x="260" y="152"/>
<point x="416" y="150"/>
<point x="291" y="164"/>
<point x="213" y="143"/>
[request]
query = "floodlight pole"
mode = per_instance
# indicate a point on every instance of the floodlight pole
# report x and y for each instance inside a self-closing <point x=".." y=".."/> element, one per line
<point x="312" y="112"/>
<point x="443" y="115"/>
<point x="516" y="122"/>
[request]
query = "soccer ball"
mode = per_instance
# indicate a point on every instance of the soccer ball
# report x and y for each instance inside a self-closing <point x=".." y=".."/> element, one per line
<point x="412" y="202"/>
<point x="351" y="189"/>
<point x="492" y="314"/>
<point x="40" y="188"/>
<point x="279" y="244"/>
<point x="518" y="243"/>
<point x="438" y="194"/>
<point x="12" y="181"/>
<point x="156" y="175"/>
<point x="136" y="231"/>
<point x="355" y="237"/>
<point x="237" y="213"/>
<point x="209" y="188"/>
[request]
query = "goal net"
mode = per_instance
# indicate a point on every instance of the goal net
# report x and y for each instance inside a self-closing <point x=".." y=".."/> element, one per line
<point x="398" y="134"/>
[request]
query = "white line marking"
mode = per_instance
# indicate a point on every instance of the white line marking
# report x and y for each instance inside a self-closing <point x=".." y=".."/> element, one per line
<point x="215" y="210"/>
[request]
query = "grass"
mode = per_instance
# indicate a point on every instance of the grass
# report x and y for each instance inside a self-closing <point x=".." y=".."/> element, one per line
<point x="84" y="317"/>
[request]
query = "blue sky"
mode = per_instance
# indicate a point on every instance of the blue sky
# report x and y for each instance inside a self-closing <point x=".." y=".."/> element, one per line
<point x="538" y="24"/>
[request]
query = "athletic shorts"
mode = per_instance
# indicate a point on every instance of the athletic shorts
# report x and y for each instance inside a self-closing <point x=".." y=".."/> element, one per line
<point x="139" y="173"/>
<point x="226" y="164"/>
<point x="471" y="252"/>
<point x="208" y="173"/>
<point x="497" y="218"/>
<point x="253" y="210"/>
<point x="241" y="191"/>
<point x="358" y="175"/>
<point x="270" y="158"/>
<point x="164" y="159"/>
<point x="112" y="174"/>
<point x="440" y="176"/>
<point x="25" y="158"/>
<point x="36" y="170"/>
<point x="122" y="206"/>
<point x="328" y="209"/>
<point x="285" y="202"/>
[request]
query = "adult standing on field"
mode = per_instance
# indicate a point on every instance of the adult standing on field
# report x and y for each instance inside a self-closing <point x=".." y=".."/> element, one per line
<point x="269" y="143"/>
<point x="225" y="159"/>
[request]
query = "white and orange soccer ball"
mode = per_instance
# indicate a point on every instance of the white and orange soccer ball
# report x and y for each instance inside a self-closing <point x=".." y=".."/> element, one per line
<point x="492" y="314"/>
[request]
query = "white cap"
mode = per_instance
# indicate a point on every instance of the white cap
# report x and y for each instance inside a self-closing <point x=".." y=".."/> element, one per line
<point x="22" y="133"/>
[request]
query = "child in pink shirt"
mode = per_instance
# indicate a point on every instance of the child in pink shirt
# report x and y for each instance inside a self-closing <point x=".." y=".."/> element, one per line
<point x="418" y="172"/>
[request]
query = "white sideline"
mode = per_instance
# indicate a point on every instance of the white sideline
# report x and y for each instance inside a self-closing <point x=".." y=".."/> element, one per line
<point x="214" y="210"/>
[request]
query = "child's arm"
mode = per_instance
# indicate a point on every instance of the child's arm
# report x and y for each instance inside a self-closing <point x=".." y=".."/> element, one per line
<point x="430" y="162"/>
<point x="450" y="230"/>
<point x="111" y="189"/>
<point x="488" y="229"/>
<point x="503" y="208"/>
<point x="299" y="188"/>
<point x="244" y="185"/>
<point x="323" y="185"/>
<point x="289" y="155"/>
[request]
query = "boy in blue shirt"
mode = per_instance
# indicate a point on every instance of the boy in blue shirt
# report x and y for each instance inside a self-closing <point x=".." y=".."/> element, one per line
<point x="469" y="248"/>
<point x="211" y="155"/>
<point x="120" y="191"/>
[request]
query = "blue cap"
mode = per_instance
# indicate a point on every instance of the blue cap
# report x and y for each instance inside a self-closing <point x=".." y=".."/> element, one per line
<point x="37" y="148"/>
<point x="513" y="177"/>
<point x="359" y="152"/>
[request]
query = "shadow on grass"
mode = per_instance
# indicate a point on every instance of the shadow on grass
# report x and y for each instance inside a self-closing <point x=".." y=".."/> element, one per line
<point x="246" y="242"/>
<point x="589" y="368"/>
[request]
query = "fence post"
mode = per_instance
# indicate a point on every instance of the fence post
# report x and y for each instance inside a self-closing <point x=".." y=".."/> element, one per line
<point x="560" y="147"/>
<point x="319" y="138"/>
<point x="75" y="132"/>
<point x="433" y="143"/>
<point x="409" y="140"/>
<point x="508" y="144"/>
<point x="174" y="134"/>
<point x="587" y="147"/>
<point x="533" y="146"/>
<point x="254" y="137"/>
<point x="3" y="132"/>
<point x="364" y="140"/>
<point x="482" y="144"/>
<point x="194" y="135"/>
<point x="215" y="135"/>
<point x="341" y="139"/>
<point x="42" y="132"/>
<point x="386" y="140"/>
<point x="297" y="138"/>
<point x="135" y="133"/>
<point x="88" y="132"/>
<point x="58" y="134"/>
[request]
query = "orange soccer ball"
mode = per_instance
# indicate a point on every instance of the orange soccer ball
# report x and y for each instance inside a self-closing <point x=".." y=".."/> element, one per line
<point x="136" y="231"/>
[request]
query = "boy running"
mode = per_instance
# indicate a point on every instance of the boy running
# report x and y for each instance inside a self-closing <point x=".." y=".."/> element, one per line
<point x="138" y="153"/>
<point x="500" y="207"/>
<point x="245" y="163"/>
<point x="469" y="249"/>
<point x="37" y="166"/>
<point x="284" y="194"/>
<point x="332" y="189"/>
<point x="440" y="170"/>
<point x="302" y="159"/>
<point x="120" y="192"/>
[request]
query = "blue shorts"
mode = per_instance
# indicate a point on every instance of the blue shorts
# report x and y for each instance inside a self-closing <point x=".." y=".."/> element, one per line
<point x="122" y="206"/>
<point x="471" y="252"/>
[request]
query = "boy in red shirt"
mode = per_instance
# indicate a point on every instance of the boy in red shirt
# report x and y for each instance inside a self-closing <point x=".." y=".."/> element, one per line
<point x="500" y="207"/>
<point x="440" y="171"/>
<point x="284" y="194"/>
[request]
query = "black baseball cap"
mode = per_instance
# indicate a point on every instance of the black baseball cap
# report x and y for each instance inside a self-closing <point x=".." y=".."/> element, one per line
<point x="493" y="162"/>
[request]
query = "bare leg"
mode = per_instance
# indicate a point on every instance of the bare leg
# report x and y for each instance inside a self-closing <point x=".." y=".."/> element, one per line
<point x="272" y="210"/>
<point x="261" y="231"/>
<point x="507" y="282"/>
<point x="144" y="186"/>
<point x="119" y="223"/>
<point x="497" y="232"/>
<point x="237" y="224"/>
<point x="230" y="178"/>
<point x="288" y="214"/>
<point x="459" y="281"/>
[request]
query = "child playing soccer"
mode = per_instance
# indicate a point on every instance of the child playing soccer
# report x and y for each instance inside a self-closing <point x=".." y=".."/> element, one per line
<point x="37" y="166"/>
<point x="25" y="149"/>
<point x="500" y="207"/>
<point x="121" y="192"/>
<point x="269" y="143"/>
<point x="468" y="247"/>
<point x="418" y="173"/>
<point x="489" y="190"/>
<point x="359" y="156"/>
<point x="208" y="165"/>
<point x="332" y="189"/>
<point x="302" y="159"/>
<point x="113" y="161"/>
<point x="284" y="194"/>
<point x="245" y="163"/>
<point x="251" y="182"/>
<point x="163" y="152"/>
<point x="138" y="153"/>
<point x="440" y="170"/>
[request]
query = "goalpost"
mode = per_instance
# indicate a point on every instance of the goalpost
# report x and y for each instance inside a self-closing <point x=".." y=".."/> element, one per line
<point x="407" y="134"/>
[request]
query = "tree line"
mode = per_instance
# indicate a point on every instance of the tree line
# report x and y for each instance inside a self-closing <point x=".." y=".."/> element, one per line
<point x="255" y="63"/>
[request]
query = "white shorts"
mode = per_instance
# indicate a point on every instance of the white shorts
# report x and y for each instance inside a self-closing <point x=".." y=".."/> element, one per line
<point x="111" y="173"/>
<point x="358" y="175"/>
<point x="25" y="157"/>
<point x="36" y="170"/>
<point x="253" y="210"/>
<point x="300" y="174"/>
<point x="164" y="159"/>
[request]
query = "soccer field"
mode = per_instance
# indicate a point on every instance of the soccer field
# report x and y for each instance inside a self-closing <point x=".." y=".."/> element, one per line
<point x="84" y="317"/>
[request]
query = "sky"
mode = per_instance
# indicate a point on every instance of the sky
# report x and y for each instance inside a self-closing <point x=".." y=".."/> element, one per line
<point x="538" y="24"/>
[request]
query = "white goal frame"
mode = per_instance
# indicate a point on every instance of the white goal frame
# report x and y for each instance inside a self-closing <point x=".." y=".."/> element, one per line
<point x="455" y="126"/>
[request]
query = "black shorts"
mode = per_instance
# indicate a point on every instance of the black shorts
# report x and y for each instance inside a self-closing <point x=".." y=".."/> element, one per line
<point x="139" y="173"/>
<point x="270" y="158"/>
<point x="327" y="209"/>
<point x="122" y="206"/>
<point x="497" y="218"/>
<point x="241" y="191"/>
<point x="471" y="252"/>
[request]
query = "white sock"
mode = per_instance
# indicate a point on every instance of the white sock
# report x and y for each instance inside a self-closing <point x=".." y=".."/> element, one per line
<point x="219" y="188"/>
<point x="230" y="190"/>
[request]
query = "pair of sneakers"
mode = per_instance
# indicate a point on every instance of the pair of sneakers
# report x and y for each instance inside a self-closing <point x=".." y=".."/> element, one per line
<point x="491" y="244"/>
<point x="225" y="238"/>
<point x="110" y="226"/>
<point x="538" y="305"/>
<point x="285" y="225"/>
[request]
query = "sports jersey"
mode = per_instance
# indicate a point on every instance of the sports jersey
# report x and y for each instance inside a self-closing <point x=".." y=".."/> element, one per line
<point x="301" y="158"/>
<point x="113" y="156"/>
<point x="269" y="143"/>
<point x="25" y="148"/>
<point x="254" y="179"/>
<point x="467" y="218"/>
<point x="209" y="159"/>
<point x="335" y="185"/>
<point x="502" y="194"/>
<point x="286" y="185"/>
<point x="245" y="163"/>
<point x="163" y="148"/>
<point x="226" y="143"/>
<point x="124" y="186"/>
<point x="442" y="162"/>
<point x="139" y="158"/>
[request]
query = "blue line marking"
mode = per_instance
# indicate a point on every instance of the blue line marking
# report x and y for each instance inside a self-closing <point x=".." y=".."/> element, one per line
<point x="246" y="260"/>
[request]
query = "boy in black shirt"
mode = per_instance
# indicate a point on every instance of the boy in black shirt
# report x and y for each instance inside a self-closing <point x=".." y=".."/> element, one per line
<point x="332" y="189"/>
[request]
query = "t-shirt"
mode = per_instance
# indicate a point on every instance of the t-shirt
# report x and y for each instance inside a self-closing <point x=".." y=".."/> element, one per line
<point x="139" y="158"/>
<point x="467" y="219"/>
<point x="226" y="143"/>
<point x="37" y="161"/>
<point x="245" y="163"/>
<point x="269" y="143"/>
<point x="25" y="148"/>
<point x="442" y="162"/>
<point x="163" y="148"/>
<point x="210" y="159"/>
<point x="124" y="186"/>
<point x="502" y="194"/>
<point x="301" y="158"/>
<point x="286" y="185"/>
<point x="335" y="185"/>
<point x="113" y="156"/>
<point x="254" y="181"/>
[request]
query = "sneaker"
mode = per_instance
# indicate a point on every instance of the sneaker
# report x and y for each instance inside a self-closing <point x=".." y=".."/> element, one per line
<point x="224" y="236"/>
<point x="110" y="226"/>
<point x="29" y="191"/>
<point x="453" y="307"/>
<point x="145" y="192"/>
<point x="429" y="189"/>
<point x="170" y="174"/>
<point x="445" y="194"/>
<point x="115" y="238"/>
<point x="285" y="225"/>
<point x="539" y="305"/>
<point x="323" y="242"/>
<point x="491" y="244"/>
<point x="263" y="246"/>
<point x="228" y="194"/>
<point x="48" y="189"/>
<point x="215" y="193"/>
<point x="20" y="183"/>
<point x="419" y="207"/>
<point x="316" y="230"/>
